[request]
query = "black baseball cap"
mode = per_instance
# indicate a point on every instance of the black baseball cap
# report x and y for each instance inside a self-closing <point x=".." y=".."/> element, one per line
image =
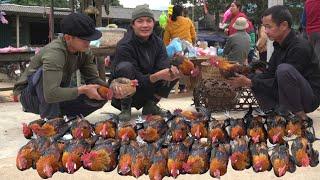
<point x="81" y="26"/>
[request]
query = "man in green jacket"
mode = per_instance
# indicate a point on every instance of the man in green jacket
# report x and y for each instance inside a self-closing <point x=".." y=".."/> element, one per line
<point x="44" y="87"/>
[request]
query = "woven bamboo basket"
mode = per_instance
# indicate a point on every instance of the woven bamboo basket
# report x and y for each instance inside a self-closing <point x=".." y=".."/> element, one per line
<point x="208" y="71"/>
<point x="111" y="36"/>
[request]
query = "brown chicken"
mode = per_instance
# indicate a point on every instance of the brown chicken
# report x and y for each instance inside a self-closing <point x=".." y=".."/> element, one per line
<point x="199" y="128"/>
<point x="81" y="129"/>
<point x="219" y="159"/>
<point x="127" y="151"/>
<point x="185" y="66"/>
<point x="281" y="160"/>
<point x="217" y="132"/>
<point x="260" y="157"/>
<point x="198" y="160"/>
<point x="71" y="157"/>
<point x="126" y="132"/>
<point x="256" y="131"/>
<point x="240" y="154"/>
<point x="237" y="128"/>
<point x="106" y="129"/>
<point x="179" y="129"/>
<point x="229" y="69"/>
<point x="26" y="129"/>
<point x="299" y="150"/>
<point x="313" y="155"/>
<point x="128" y="86"/>
<point x="53" y="128"/>
<point x="158" y="169"/>
<point x="294" y="126"/>
<point x="30" y="153"/>
<point x="276" y="128"/>
<point x="50" y="161"/>
<point x="153" y="128"/>
<point x="105" y="92"/>
<point x="178" y="155"/>
<point x="103" y="156"/>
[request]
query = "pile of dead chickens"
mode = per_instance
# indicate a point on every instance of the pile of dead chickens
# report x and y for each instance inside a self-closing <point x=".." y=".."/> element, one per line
<point x="183" y="142"/>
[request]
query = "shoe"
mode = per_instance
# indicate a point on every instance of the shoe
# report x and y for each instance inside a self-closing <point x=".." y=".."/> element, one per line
<point x="151" y="108"/>
<point x="125" y="114"/>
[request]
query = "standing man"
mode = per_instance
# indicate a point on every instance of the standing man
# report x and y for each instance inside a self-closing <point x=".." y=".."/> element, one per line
<point x="142" y="55"/>
<point x="292" y="79"/>
<point x="312" y="10"/>
<point x="45" y="85"/>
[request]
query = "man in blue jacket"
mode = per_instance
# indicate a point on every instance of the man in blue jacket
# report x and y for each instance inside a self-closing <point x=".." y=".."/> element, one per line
<point x="142" y="55"/>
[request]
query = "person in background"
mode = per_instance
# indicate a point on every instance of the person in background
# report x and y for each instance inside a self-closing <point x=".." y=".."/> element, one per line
<point x="142" y="55"/>
<point x="180" y="27"/>
<point x="235" y="9"/>
<point x="292" y="79"/>
<point x="44" y="87"/>
<point x="238" y="44"/>
<point x="312" y="10"/>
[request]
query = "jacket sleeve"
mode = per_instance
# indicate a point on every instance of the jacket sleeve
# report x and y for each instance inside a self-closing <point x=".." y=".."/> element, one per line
<point x="299" y="57"/>
<point x="124" y="54"/>
<point x="53" y="63"/>
<point x="162" y="60"/>
<point x="89" y="70"/>
<point x="193" y="33"/>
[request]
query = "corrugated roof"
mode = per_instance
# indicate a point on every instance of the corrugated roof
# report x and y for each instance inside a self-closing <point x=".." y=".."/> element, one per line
<point x="115" y="12"/>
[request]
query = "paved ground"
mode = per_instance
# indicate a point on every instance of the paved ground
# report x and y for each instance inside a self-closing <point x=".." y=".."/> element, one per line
<point x="11" y="139"/>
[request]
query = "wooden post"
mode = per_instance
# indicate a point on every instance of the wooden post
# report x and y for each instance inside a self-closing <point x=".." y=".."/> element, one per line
<point x="18" y="30"/>
<point x="51" y="25"/>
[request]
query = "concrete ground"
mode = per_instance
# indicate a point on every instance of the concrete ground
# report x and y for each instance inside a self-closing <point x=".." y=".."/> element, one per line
<point x="11" y="139"/>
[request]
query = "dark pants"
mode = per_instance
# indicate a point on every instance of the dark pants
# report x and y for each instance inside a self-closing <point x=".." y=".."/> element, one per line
<point x="143" y="94"/>
<point x="32" y="100"/>
<point x="293" y="92"/>
<point x="314" y="38"/>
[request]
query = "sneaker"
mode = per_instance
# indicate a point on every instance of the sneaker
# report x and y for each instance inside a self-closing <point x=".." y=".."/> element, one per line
<point x="125" y="115"/>
<point x="151" y="108"/>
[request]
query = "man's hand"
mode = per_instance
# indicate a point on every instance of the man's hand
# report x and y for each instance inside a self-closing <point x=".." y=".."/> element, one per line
<point x="240" y="81"/>
<point x="90" y="90"/>
<point x="168" y="74"/>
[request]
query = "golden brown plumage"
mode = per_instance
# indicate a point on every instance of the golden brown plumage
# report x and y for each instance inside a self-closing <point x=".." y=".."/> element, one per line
<point x="217" y="132"/>
<point x="153" y="128"/>
<point x="281" y="160"/>
<point x="260" y="157"/>
<point x="126" y="133"/>
<point x="106" y="129"/>
<point x="127" y="86"/>
<point x="49" y="162"/>
<point x="276" y="128"/>
<point x="240" y="154"/>
<point x="26" y="129"/>
<point x="294" y="126"/>
<point x="105" y="92"/>
<point x="179" y="129"/>
<point x="30" y="153"/>
<point x="237" y="128"/>
<point x="81" y="129"/>
<point x="199" y="129"/>
<point x="158" y="169"/>
<point x="198" y="160"/>
<point x="256" y="131"/>
<point x="219" y="160"/>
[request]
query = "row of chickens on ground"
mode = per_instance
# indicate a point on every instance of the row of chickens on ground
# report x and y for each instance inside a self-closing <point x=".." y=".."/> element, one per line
<point x="183" y="142"/>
